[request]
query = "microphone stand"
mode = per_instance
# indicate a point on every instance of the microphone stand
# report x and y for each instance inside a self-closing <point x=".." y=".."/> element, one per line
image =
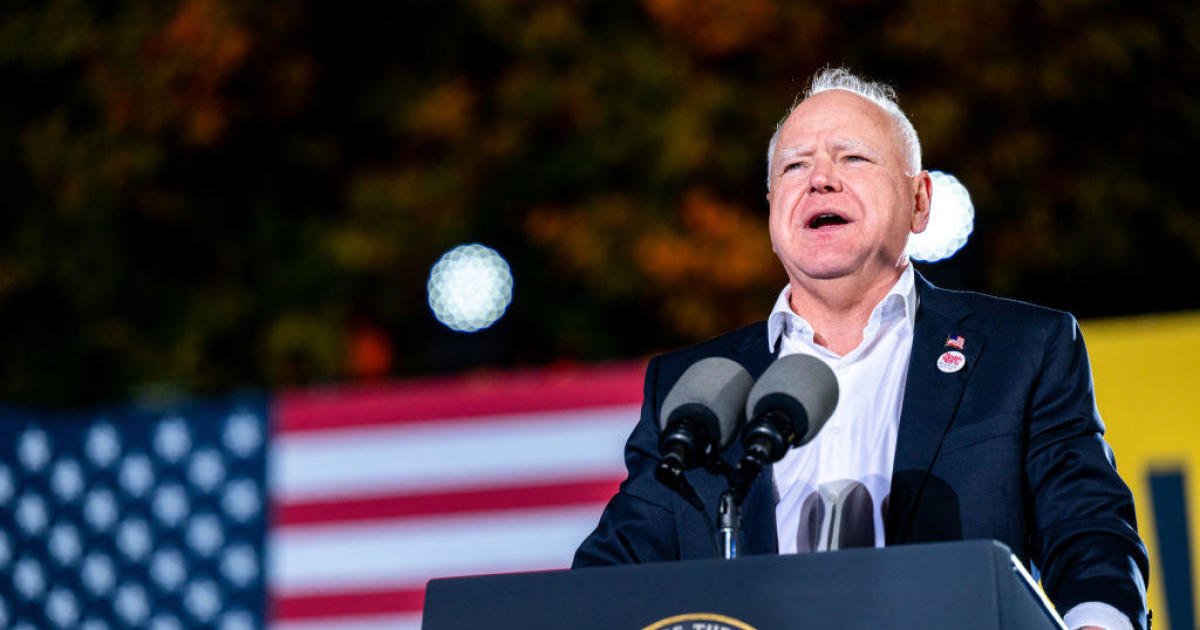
<point x="729" y="524"/>
<point x="729" y="509"/>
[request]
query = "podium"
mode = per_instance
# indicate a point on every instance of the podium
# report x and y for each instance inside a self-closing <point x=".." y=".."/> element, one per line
<point x="971" y="584"/>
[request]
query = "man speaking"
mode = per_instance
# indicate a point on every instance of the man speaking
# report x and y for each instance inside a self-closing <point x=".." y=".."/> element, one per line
<point x="960" y="415"/>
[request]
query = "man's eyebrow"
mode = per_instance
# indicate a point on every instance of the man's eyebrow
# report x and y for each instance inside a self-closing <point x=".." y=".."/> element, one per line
<point x="841" y="144"/>
<point x="854" y="145"/>
<point x="791" y="152"/>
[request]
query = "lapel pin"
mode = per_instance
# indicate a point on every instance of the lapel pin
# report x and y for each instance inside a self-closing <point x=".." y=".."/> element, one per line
<point x="951" y="361"/>
<point x="956" y="341"/>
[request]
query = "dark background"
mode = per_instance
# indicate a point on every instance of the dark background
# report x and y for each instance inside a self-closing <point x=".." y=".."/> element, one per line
<point x="202" y="195"/>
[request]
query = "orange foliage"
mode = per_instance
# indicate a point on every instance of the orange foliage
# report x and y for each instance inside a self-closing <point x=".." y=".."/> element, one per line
<point x="178" y="77"/>
<point x="585" y="239"/>
<point x="715" y="27"/>
<point x="703" y="274"/>
<point x="722" y="245"/>
<point x="201" y="47"/>
<point x="444" y="112"/>
<point x="707" y="276"/>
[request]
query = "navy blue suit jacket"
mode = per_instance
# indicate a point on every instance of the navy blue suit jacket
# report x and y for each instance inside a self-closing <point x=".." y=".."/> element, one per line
<point x="1009" y="448"/>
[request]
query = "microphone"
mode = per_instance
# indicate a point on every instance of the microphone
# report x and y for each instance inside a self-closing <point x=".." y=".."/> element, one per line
<point x="700" y="416"/>
<point x="788" y="405"/>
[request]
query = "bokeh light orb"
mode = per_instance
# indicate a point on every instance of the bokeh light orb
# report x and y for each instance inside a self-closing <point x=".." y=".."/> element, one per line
<point x="469" y="288"/>
<point x="951" y="220"/>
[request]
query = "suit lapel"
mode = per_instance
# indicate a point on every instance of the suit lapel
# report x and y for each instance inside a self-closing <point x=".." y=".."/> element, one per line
<point x="754" y="354"/>
<point x="931" y="397"/>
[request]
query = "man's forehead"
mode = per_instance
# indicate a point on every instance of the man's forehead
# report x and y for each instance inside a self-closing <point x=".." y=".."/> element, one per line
<point x="838" y="106"/>
<point x="808" y="146"/>
<point x="849" y="117"/>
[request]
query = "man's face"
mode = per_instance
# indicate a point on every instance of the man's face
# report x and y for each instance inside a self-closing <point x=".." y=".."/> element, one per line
<point x="841" y="204"/>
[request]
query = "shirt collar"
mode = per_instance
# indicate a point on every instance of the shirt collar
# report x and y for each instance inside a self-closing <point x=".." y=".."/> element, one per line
<point x="900" y="301"/>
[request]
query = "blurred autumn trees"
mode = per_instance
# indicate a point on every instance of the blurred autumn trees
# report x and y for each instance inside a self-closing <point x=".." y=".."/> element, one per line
<point x="206" y="194"/>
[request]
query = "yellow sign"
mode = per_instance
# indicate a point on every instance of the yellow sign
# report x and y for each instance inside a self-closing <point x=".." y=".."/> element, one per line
<point x="1147" y="376"/>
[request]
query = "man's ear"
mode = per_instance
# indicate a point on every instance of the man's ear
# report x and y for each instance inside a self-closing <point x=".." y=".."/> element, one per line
<point x="923" y="193"/>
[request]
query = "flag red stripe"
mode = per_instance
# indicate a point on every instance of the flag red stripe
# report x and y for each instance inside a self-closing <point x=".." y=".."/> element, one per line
<point x="347" y="604"/>
<point x="462" y="397"/>
<point x="382" y="507"/>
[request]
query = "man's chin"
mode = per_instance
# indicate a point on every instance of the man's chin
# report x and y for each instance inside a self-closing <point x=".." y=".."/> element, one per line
<point x="830" y="276"/>
<point x="856" y="275"/>
<point x="830" y="269"/>
<point x="843" y="265"/>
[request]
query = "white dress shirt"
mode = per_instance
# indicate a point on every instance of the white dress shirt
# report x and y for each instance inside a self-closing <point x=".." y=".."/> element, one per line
<point x="858" y="443"/>
<point x="822" y="488"/>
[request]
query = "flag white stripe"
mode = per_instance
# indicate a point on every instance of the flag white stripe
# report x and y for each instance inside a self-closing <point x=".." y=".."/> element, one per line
<point x="403" y="553"/>
<point x="372" y="622"/>
<point x="348" y="463"/>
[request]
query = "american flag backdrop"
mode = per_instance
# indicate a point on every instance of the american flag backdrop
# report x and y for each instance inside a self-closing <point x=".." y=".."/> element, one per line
<point x="323" y="508"/>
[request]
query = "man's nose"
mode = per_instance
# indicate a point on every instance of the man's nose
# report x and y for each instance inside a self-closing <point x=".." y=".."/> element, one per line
<point x="824" y="177"/>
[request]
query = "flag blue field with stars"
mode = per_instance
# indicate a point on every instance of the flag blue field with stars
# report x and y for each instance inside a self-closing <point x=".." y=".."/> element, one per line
<point x="134" y="518"/>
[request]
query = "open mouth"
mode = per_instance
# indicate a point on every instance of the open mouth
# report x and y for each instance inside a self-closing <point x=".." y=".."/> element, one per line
<point x="826" y="219"/>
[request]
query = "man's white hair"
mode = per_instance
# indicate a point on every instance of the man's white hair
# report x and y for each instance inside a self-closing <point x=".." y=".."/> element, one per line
<point x="879" y="93"/>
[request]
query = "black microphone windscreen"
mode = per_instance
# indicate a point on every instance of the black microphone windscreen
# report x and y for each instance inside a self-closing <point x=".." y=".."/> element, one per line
<point x="796" y="379"/>
<point x="716" y="384"/>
